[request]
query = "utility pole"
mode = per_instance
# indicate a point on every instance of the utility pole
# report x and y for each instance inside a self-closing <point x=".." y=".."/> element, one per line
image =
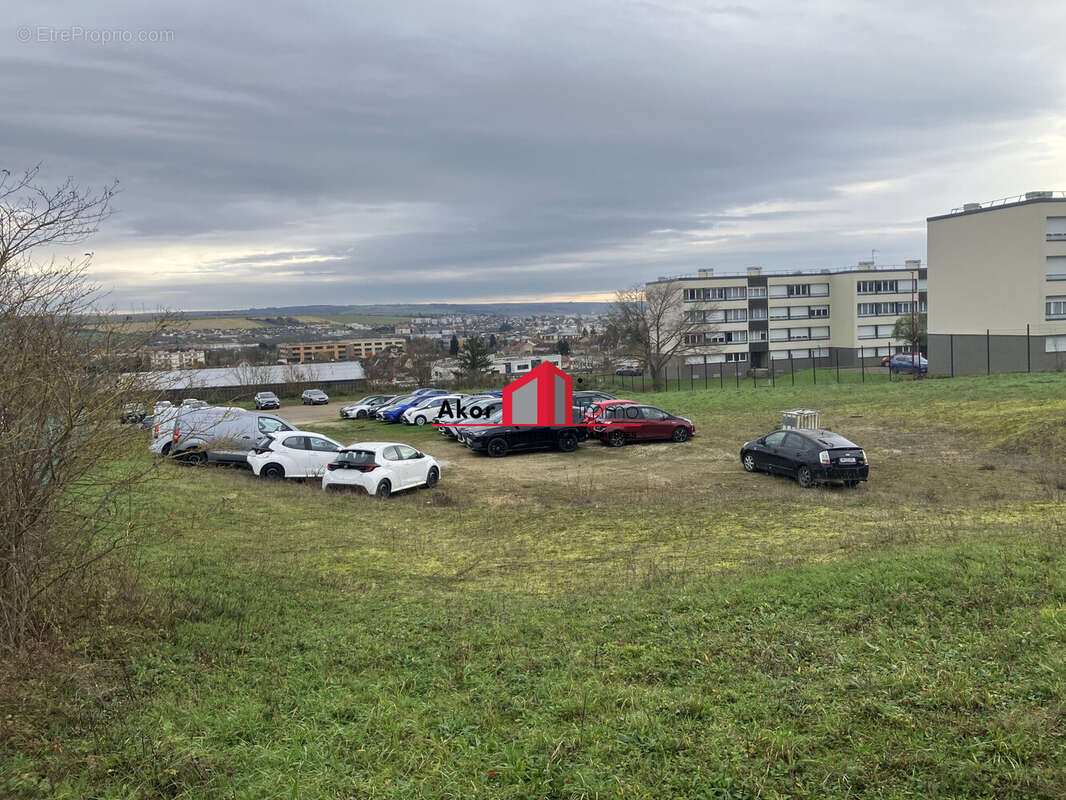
<point x="914" y="308"/>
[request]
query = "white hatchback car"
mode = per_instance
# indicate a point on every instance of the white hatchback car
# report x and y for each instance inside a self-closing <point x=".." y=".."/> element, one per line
<point x="381" y="468"/>
<point x="429" y="409"/>
<point x="293" y="454"/>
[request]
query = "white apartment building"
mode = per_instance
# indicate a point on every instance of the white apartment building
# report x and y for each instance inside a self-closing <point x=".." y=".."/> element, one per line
<point x="998" y="281"/>
<point x="176" y="359"/>
<point x="754" y="318"/>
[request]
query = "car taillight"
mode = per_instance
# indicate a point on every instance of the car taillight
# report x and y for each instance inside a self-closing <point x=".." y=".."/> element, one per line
<point x="177" y="433"/>
<point x="332" y="467"/>
<point x="368" y="467"/>
<point x="155" y="432"/>
<point x="823" y="457"/>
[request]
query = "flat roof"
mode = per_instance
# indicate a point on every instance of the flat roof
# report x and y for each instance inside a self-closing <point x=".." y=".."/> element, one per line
<point x="792" y="273"/>
<point x="996" y="205"/>
<point x="271" y="375"/>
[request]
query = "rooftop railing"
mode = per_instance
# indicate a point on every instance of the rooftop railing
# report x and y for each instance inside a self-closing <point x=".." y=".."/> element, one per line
<point x="1028" y="197"/>
<point x="784" y="272"/>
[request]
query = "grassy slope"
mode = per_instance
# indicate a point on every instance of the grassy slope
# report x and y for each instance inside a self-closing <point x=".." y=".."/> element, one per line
<point x="647" y="622"/>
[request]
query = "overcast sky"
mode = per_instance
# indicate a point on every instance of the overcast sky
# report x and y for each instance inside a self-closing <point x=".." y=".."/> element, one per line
<point x="358" y="152"/>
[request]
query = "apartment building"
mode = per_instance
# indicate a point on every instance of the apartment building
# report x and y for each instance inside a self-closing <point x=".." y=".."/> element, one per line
<point x="348" y="350"/>
<point x="998" y="279"/>
<point x="752" y="319"/>
<point x="176" y="359"/>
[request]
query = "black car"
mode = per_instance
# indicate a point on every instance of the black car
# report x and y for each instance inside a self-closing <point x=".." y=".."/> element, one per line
<point x="265" y="400"/>
<point x="629" y="372"/>
<point x="809" y="456"/>
<point x="499" y="440"/>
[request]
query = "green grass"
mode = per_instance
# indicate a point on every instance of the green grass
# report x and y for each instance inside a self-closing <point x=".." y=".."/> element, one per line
<point x="647" y="621"/>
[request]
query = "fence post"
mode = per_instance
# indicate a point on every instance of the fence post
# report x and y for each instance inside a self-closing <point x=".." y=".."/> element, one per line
<point x="642" y="380"/>
<point x="1028" y="351"/>
<point x="773" y="383"/>
<point x="736" y="369"/>
<point x="754" y="383"/>
<point x="792" y="367"/>
<point x="705" y="371"/>
<point x="814" y="366"/>
<point x="679" y="377"/>
<point x="862" y="362"/>
<point x="691" y="379"/>
<point x="721" y="374"/>
<point x="951" y="352"/>
<point x="988" y="351"/>
<point x="838" y="365"/>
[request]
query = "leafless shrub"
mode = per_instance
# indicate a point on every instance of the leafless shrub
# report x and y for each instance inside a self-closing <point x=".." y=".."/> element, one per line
<point x="63" y="479"/>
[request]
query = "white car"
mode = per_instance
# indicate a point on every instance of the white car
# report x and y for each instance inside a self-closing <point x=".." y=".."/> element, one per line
<point x="381" y="468"/>
<point x="365" y="407"/>
<point x="428" y="409"/>
<point x="293" y="454"/>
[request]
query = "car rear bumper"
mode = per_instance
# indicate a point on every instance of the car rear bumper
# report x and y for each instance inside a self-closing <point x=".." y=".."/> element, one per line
<point x="856" y="473"/>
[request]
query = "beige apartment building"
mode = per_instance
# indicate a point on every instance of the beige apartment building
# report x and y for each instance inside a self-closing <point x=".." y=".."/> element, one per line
<point x="754" y="319"/>
<point x="348" y="350"/>
<point x="998" y="283"/>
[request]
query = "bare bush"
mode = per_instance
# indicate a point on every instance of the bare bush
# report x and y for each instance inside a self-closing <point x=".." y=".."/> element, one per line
<point x="63" y="465"/>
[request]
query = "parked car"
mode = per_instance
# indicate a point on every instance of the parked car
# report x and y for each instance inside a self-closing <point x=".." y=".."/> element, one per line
<point x="381" y="468"/>
<point x="908" y="362"/>
<point x="217" y="434"/>
<point x="583" y="399"/>
<point x="635" y="372"/>
<point x="266" y="400"/>
<point x="394" y="412"/>
<point x="597" y="408"/>
<point x="885" y="360"/>
<point x="809" y="456"/>
<point x="293" y="454"/>
<point x="428" y="390"/>
<point x="314" y="397"/>
<point x="131" y="413"/>
<point x="482" y="405"/>
<point x="620" y="423"/>
<point x="497" y="439"/>
<point x="429" y="409"/>
<point x="366" y="407"/>
<point x="192" y="402"/>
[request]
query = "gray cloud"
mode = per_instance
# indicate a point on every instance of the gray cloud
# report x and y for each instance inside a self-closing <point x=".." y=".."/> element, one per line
<point x="434" y="151"/>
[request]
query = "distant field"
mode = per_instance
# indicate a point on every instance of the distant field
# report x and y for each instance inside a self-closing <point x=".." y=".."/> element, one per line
<point x="201" y="323"/>
<point x="342" y="319"/>
<point x="641" y="622"/>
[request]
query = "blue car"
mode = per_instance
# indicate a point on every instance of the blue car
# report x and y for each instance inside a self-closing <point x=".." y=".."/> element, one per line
<point x="394" y="413"/>
<point x="907" y="362"/>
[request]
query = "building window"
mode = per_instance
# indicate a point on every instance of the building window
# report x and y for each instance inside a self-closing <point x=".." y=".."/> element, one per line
<point x="1056" y="267"/>
<point x="819" y="311"/>
<point x="735" y="358"/>
<point x="1055" y="308"/>
<point x="1056" y="229"/>
<point x="799" y="290"/>
<point x="716" y="293"/>
<point x="736" y="315"/>
<point x="756" y="291"/>
<point x="1055" y="344"/>
<point x="779" y="334"/>
<point x="779" y="312"/>
<point x="758" y="313"/>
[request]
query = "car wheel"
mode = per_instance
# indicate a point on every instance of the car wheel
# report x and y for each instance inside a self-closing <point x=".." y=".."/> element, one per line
<point x="851" y="484"/>
<point x="616" y="439"/>
<point x="497" y="447"/>
<point x="432" y="477"/>
<point x="166" y="450"/>
<point x="360" y="414"/>
<point x="194" y="458"/>
<point x="420" y="420"/>
<point x="804" y="477"/>
<point x="680" y="434"/>
<point x="384" y="490"/>
<point x="748" y="460"/>
<point x="568" y="441"/>
<point x="272" y="472"/>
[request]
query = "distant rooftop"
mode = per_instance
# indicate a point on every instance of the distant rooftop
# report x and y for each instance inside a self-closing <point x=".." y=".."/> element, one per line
<point x="1041" y="196"/>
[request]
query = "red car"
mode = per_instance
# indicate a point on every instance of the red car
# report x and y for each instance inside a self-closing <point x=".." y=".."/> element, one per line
<point x="632" y="422"/>
<point x="596" y="409"/>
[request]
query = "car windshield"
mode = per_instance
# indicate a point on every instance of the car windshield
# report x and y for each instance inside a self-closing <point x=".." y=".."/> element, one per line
<point x="357" y="458"/>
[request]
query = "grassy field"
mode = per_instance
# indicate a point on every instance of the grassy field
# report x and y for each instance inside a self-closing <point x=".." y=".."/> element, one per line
<point x="648" y="621"/>
<point x="200" y="323"/>
<point x="344" y="319"/>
